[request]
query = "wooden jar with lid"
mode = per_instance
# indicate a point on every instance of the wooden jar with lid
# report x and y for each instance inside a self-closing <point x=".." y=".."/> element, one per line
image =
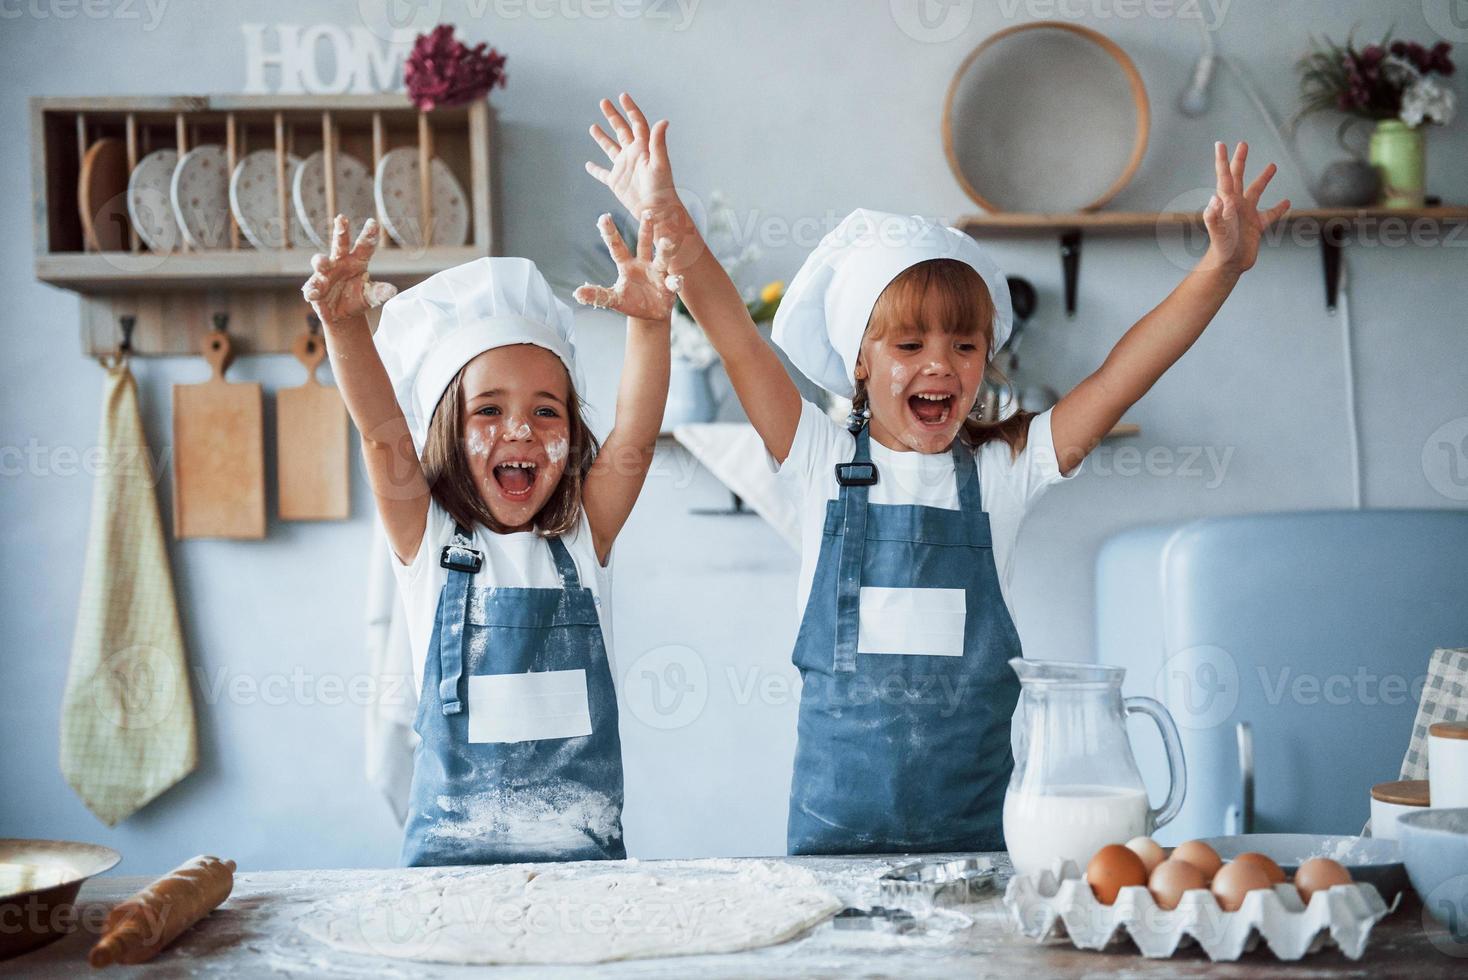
<point x="1391" y="800"/>
<point x="1447" y="762"/>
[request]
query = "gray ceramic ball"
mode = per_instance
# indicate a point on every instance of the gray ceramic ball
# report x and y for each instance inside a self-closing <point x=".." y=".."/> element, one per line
<point x="1348" y="184"/>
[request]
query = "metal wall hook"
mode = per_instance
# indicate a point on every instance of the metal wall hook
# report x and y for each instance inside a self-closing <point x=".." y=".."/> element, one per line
<point x="127" y="323"/>
<point x="313" y="323"/>
<point x="221" y="322"/>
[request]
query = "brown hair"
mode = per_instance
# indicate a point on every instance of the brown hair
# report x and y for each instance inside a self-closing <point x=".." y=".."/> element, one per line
<point x="446" y="468"/>
<point x="952" y="295"/>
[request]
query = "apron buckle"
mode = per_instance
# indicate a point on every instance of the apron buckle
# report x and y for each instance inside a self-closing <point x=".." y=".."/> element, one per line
<point x="856" y="474"/>
<point x="457" y="558"/>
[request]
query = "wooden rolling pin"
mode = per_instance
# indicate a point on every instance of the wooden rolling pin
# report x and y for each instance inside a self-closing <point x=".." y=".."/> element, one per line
<point x="139" y="928"/>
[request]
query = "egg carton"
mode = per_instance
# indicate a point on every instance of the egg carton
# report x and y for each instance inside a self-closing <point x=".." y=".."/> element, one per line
<point x="1059" y="902"/>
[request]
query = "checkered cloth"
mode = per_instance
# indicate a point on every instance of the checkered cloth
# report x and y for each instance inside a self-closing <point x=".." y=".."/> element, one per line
<point x="1444" y="698"/>
<point x="127" y="718"/>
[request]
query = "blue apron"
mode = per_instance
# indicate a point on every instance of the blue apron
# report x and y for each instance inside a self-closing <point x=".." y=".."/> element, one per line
<point x="903" y="752"/>
<point x="523" y="673"/>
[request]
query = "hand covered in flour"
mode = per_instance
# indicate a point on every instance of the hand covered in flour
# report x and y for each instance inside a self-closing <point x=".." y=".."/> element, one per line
<point x="640" y="176"/>
<point x="1232" y="217"/>
<point x="644" y="290"/>
<point x="340" y="288"/>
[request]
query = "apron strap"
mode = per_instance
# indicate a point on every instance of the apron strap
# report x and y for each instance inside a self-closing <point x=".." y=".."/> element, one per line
<point x="854" y="478"/>
<point x="565" y="567"/>
<point x="462" y="562"/>
<point x="966" y="475"/>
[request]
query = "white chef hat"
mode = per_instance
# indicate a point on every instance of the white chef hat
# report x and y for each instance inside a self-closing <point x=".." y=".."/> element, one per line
<point x="427" y="333"/>
<point x="824" y="314"/>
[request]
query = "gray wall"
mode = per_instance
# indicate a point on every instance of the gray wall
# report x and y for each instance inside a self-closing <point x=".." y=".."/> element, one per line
<point x="799" y="113"/>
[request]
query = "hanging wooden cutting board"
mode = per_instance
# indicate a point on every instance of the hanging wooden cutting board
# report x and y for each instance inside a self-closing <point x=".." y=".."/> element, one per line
<point x="218" y="453"/>
<point x="312" y="457"/>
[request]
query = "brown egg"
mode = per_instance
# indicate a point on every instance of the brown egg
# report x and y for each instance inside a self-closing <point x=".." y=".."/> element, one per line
<point x="1235" y="880"/>
<point x="1170" y="879"/>
<point x="1112" y="869"/>
<point x="1275" y="872"/>
<point x="1200" y="856"/>
<point x="1148" y="850"/>
<point x="1318" y="874"/>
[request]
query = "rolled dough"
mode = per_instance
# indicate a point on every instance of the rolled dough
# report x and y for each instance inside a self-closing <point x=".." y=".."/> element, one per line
<point x="591" y="912"/>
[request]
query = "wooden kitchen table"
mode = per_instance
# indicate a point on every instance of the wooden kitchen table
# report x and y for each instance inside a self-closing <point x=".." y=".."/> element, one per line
<point x="255" y="933"/>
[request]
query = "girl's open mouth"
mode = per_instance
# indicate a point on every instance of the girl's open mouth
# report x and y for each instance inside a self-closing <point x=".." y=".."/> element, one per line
<point x="515" y="479"/>
<point x="930" y="408"/>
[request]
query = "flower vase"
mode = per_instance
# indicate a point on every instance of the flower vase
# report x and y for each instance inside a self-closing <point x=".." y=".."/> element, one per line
<point x="1398" y="152"/>
<point x="690" y="395"/>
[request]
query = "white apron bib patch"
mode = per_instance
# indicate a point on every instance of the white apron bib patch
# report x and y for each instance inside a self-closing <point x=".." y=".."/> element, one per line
<point x="528" y="707"/>
<point x="915" y="622"/>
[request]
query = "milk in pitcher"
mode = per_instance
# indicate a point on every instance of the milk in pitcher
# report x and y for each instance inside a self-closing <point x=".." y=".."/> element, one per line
<point x="1070" y="822"/>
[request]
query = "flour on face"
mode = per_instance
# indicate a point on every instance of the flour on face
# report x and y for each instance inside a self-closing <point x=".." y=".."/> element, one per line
<point x="480" y="442"/>
<point x="899" y="379"/>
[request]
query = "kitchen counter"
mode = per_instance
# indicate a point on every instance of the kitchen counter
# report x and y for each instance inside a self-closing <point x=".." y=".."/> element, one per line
<point x="255" y="933"/>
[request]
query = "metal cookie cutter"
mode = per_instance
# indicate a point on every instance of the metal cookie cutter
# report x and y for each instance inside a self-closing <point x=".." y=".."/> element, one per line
<point x="924" y="885"/>
<point x="876" y="917"/>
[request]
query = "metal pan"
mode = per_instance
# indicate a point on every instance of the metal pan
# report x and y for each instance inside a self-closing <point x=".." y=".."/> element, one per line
<point x="1368" y="859"/>
<point x="39" y="880"/>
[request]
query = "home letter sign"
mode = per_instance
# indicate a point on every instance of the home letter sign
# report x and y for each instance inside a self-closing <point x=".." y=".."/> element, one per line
<point x="322" y="59"/>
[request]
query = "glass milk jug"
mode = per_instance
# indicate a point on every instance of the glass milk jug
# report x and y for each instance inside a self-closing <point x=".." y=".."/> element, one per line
<point x="1076" y="787"/>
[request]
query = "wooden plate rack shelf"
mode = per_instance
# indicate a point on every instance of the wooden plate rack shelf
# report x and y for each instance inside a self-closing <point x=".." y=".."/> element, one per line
<point x="174" y="298"/>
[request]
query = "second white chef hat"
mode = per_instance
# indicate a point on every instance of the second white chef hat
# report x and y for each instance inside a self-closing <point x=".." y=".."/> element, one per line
<point x="821" y="320"/>
<point x="427" y="333"/>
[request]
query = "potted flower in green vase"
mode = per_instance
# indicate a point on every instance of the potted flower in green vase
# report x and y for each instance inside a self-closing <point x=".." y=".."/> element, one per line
<point x="1391" y="83"/>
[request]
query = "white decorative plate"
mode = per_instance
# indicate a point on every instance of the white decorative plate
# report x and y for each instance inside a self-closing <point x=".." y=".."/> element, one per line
<point x="398" y="200"/>
<point x="200" y="193"/>
<point x="252" y="198"/>
<point x="148" y="204"/>
<point x="353" y="196"/>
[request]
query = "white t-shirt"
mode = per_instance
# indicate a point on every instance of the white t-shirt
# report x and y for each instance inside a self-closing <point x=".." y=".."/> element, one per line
<point x="519" y="560"/>
<point x="1008" y="487"/>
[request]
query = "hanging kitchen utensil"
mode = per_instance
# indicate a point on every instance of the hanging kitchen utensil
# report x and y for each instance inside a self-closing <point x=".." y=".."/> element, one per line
<point x="219" y="455"/>
<point x="1024" y="392"/>
<point x="101" y="194"/>
<point x="127" y="717"/>
<point x="311" y="442"/>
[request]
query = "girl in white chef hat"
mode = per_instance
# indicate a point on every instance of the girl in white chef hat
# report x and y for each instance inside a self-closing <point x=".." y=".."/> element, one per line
<point x="909" y="516"/>
<point x="502" y="513"/>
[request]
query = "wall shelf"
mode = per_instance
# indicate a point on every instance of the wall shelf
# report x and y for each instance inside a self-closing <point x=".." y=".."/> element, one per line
<point x="1330" y="227"/>
<point x="107" y="272"/>
<point x="174" y="295"/>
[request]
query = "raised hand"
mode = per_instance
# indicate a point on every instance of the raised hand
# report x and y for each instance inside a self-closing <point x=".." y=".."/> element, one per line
<point x="340" y="288"/>
<point x="644" y="288"/>
<point x="640" y="176"/>
<point x="1232" y="217"/>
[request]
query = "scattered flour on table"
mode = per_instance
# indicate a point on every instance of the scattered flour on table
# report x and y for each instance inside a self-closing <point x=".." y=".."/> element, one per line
<point x="586" y="913"/>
